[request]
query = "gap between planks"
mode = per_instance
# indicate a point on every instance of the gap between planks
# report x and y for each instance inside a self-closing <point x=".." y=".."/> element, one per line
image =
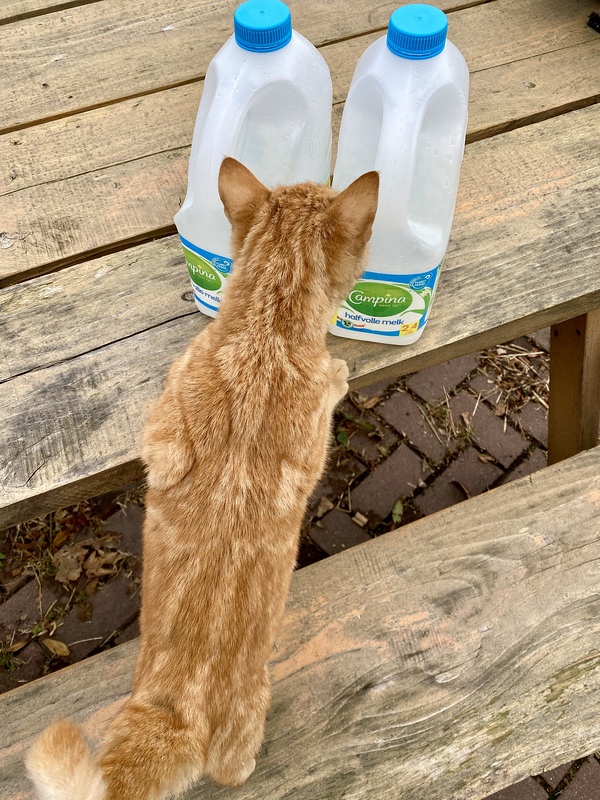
<point x="42" y="12"/>
<point x="532" y="119"/>
<point x="168" y="230"/>
<point x="481" y="131"/>
<point x="188" y="81"/>
<point x="80" y="258"/>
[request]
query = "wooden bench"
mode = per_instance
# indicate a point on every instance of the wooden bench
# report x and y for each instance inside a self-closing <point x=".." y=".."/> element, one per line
<point x="450" y="659"/>
<point x="94" y="166"/>
<point x="446" y="660"/>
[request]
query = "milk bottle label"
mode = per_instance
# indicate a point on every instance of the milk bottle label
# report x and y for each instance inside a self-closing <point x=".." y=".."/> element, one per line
<point x="208" y="274"/>
<point x="388" y="305"/>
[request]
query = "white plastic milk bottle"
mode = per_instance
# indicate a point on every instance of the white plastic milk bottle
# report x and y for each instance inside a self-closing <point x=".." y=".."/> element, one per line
<point x="267" y="102"/>
<point x="405" y="116"/>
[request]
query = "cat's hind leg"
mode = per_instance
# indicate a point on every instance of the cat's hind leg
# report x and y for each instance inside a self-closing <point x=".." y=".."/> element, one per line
<point x="235" y="743"/>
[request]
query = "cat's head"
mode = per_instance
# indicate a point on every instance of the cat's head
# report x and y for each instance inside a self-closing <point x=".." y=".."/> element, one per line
<point x="313" y="238"/>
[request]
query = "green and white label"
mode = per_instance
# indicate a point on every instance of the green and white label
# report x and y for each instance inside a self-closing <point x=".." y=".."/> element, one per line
<point x="388" y="305"/>
<point x="208" y="274"/>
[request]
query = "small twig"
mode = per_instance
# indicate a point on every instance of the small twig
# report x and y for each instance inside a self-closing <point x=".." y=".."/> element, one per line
<point x="70" y="598"/>
<point x="39" y="583"/>
<point x="540" y="400"/>
<point x="83" y="641"/>
<point x="428" y="421"/>
<point x="43" y="616"/>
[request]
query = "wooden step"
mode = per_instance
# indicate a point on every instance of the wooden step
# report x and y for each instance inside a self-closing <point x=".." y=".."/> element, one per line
<point x="91" y="344"/>
<point x="448" y="659"/>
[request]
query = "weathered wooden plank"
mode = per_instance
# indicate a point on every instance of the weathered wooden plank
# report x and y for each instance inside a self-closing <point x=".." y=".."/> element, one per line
<point x="574" y="386"/>
<point x="57" y="221"/>
<point x="527" y="190"/>
<point x="491" y="35"/>
<point x="93" y="304"/>
<point x="105" y="137"/>
<point x="164" y="120"/>
<point x="523" y="255"/>
<point x="98" y="53"/>
<point x="54" y="223"/>
<point x="534" y="89"/>
<point x="13" y="10"/>
<point x="450" y="658"/>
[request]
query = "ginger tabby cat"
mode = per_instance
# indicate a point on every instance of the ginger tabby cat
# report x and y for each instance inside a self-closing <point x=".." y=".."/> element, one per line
<point x="234" y="447"/>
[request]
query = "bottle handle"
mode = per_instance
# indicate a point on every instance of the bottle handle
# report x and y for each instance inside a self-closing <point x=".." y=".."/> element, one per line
<point x="400" y="137"/>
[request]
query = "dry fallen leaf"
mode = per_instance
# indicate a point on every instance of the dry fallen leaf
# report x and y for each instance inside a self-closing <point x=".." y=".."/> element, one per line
<point x="56" y="647"/>
<point x="371" y="402"/>
<point x="91" y="586"/>
<point x="485" y="457"/>
<point x="359" y="398"/>
<point x="68" y="562"/>
<point x="324" y="506"/>
<point x="14" y="648"/>
<point x="500" y="410"/>
<point x="61" y="538"/>
<point x="465" y="418"/>
<point x="464" y="489"/>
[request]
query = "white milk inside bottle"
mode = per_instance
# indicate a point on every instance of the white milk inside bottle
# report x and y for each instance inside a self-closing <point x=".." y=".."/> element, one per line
<point x="405" y="116"/>
<point x="267" y="102"/>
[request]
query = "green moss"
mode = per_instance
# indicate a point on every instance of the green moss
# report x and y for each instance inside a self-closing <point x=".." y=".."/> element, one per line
<point x="566" y="677"/>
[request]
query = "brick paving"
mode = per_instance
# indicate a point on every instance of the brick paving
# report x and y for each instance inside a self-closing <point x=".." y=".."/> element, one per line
<point x="467" y="476"/>
<point x="410" y="419"/>
<point x="402" y="449"/>
<point x="431" y="383"/>
<point x="397" y="477"/>
<point x="474" y="418"/>
<point x="533" y="419"/>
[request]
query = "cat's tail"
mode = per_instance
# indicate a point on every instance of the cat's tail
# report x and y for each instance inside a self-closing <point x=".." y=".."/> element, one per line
<point x="61" y="766"/>
<point x="147" y="755"/>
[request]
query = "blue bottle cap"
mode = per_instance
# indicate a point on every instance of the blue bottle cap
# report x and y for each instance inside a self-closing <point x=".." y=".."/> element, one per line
<point x="417" y="31"/>
<point x="262" y="25"/>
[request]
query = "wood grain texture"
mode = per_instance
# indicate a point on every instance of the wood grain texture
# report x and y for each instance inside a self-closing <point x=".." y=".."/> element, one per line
<point x="105" y="137"/>
<point x="489" y="36"/>
<point x="523" y="255"/>
<point x="451" y="658"/>
<point x="527" y="91"/>
<point x="13" y="10"/>
<point x="574" y="386"/>
<point x="95" y="54"/>
<point x="88" y="183"/>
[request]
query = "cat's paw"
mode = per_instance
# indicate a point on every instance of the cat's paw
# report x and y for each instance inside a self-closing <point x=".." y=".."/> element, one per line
<point x="234" y="776"/>
<point x="339" y="379"/>
<point x="339" y="370"/>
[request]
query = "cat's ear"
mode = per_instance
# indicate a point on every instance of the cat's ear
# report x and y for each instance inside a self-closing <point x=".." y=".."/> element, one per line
<point x="355" y="207"/>
<point x="241" y="193"/>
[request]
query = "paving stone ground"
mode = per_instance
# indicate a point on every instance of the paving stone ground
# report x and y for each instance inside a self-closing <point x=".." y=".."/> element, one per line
<point x="402" y="450"/>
